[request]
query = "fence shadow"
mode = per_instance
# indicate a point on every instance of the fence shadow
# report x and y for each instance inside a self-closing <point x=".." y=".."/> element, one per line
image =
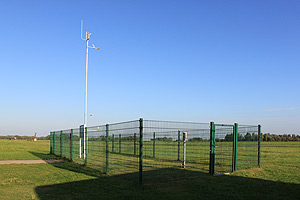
<point x="68" y="165"/>
<point x="163" y="183"/>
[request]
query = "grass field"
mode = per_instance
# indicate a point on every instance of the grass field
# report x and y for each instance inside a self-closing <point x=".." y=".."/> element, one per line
<point x="279" y="178"/>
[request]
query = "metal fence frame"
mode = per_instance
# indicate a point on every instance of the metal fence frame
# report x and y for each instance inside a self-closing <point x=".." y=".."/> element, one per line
<point x="62" y="143"/>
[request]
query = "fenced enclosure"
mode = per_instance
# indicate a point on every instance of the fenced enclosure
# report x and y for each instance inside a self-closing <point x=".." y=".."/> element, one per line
<point x="144" y="149"/>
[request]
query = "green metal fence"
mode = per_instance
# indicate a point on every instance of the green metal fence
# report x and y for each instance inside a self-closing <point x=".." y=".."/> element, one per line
<point x="147" y="150"/>
<point x="247" y="147"/>
<point x="224" y="148"/>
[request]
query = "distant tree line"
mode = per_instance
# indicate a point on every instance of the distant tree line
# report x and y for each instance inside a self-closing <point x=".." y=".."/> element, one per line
<point x="267" y="137"/>
<point x="164" y="139"/>
<point x="110" y="138"/>
<point x="280" y="138"/>
<point x="247" y="137"/>
<point x="197" y="139"/>
<point x="229" y="137"/>
<point x="253" y="137"/>
<point x="18" y="137"/>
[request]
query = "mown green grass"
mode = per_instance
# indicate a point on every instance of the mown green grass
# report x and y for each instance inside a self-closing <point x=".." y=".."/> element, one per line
<point x="279" y="178"/>
<point x="280" y="144"/>
<point x="20" y="149"/>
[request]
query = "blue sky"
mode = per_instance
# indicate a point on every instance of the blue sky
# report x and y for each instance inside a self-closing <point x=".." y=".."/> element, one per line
<point x="222" y="61"/>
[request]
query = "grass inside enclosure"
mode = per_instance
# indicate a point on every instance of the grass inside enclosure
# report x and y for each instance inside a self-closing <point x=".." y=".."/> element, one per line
<point x="279" y="178"/>
<point x="123" y="157"/>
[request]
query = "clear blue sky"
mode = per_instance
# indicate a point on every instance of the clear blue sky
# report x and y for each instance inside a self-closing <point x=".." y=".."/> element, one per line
<point x="222" y="61"/>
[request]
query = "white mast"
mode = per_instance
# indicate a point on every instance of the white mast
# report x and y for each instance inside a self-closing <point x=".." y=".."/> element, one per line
<point x="87" y="38"/>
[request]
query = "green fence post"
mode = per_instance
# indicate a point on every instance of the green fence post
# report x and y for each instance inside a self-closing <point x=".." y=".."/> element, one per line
<point x="107" y="140"/>
<point x="61" y="143"/>
<point x="113" y="143"/>
<point x="212" y="148"/>
<point x="134" y="143"/>
<point x="153" y="144"/>
<point x="119" y="143"/>
<point x="141" y="153"/>
<point x="235" y="147"/>
<point x="85" y="146"/>
<point x="178" y="145"/>
<point x="259" y="141"/>
<point x="71" y="145"/>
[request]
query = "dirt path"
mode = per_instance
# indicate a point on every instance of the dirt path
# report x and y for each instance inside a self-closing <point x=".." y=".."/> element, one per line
<point x="27" y="162"/>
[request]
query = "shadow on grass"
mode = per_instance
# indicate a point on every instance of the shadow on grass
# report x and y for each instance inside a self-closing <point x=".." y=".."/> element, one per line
<point x="164" y="183"/>
<point x="44" y="156"/>
<point x="68" y="165"/>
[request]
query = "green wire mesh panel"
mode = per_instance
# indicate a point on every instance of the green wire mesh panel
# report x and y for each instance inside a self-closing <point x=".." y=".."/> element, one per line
<point x="123" y="148"/>
<point x="247" y="152"/>
<point x="96" y="147"/>
<point x="198" y="148"/>
<point x="57" y="143"/>
<point x="163" y="149"/>
<point x="66" y="143"/>
<point x="76" y="147"/>
<point x="223" y="149"/>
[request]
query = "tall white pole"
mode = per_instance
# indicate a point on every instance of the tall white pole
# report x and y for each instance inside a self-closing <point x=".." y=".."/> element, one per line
<point x="86" y="72"/>
<point x="87" y="37"/>
<point x="85" y="99"/>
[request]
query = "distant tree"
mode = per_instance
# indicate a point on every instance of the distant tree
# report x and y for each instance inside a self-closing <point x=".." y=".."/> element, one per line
<point x="196" y="139"/>
<point x="229" y="137"/>
<point x="248" y="137"/>
<point x="241" y="137"/>
<point x="164" y="139"/>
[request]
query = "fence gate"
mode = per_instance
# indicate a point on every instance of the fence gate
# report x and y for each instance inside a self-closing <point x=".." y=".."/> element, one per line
<point x="223" y="148"/>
